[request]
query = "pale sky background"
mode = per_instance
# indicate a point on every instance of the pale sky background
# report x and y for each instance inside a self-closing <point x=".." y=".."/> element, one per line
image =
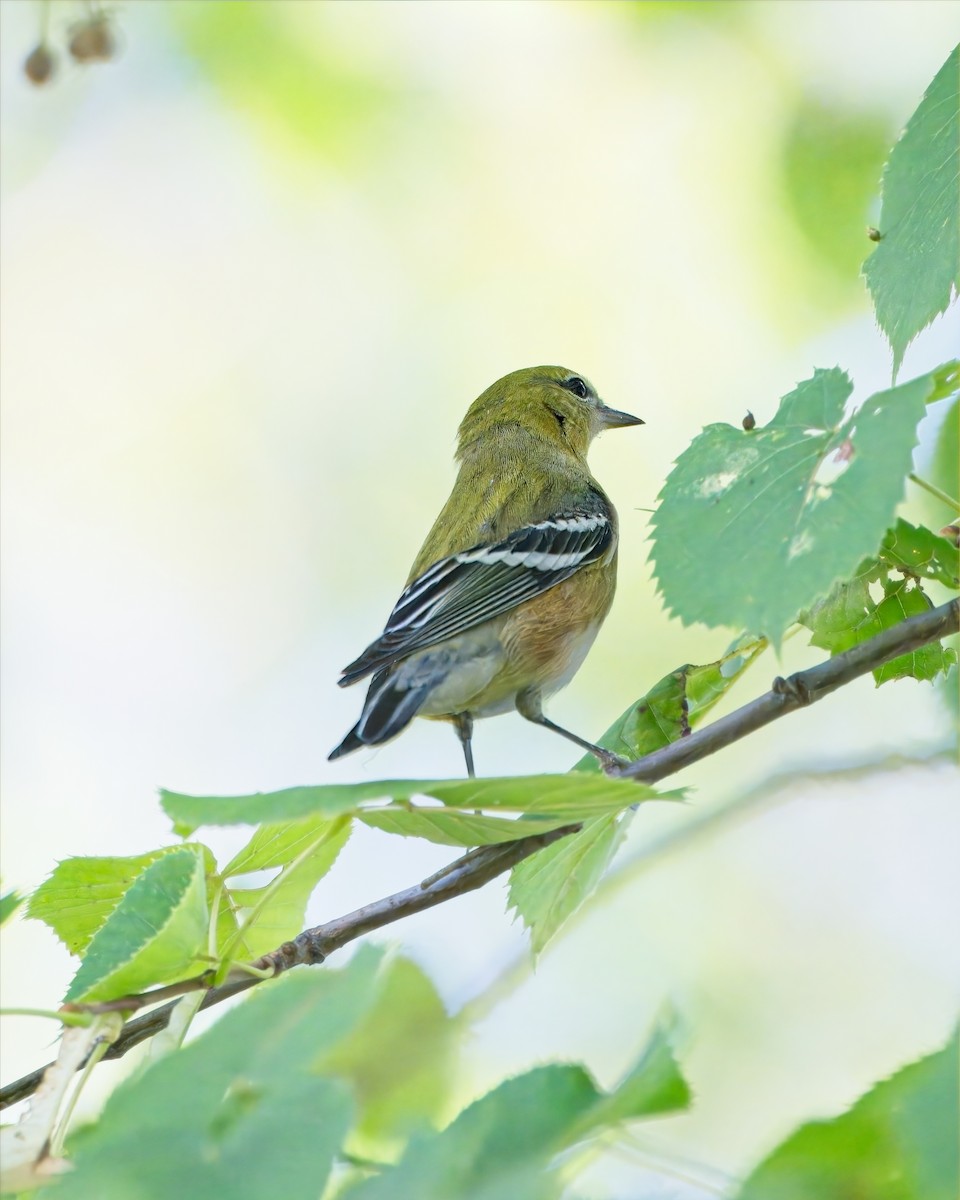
<point x="248" y="289"/>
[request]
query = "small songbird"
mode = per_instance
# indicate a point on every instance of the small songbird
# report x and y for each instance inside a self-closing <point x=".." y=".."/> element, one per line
<point x="508" y="591"/>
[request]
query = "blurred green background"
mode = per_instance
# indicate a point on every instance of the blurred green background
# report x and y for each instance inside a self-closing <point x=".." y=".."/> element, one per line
<point x="252" y="273"/>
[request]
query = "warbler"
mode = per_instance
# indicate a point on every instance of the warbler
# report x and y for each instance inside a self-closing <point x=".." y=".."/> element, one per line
<point x="514" y="579"/>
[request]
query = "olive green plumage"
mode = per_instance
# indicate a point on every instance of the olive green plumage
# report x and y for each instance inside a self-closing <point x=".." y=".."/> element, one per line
<point x="513" y="580"/>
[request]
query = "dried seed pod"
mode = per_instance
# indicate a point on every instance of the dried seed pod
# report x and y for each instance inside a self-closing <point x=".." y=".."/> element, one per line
<point x="40" y="64"/>
<point x="93" y="40"/>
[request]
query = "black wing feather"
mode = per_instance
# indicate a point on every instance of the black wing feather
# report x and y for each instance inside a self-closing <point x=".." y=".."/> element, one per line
<point x="468" y="588"/>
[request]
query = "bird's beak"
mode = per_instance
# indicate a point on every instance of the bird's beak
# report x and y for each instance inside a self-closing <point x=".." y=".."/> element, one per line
<point x="613" y="418"/>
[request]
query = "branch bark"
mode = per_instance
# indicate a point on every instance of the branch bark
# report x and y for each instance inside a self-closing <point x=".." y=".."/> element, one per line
<point x="478" y="867"/>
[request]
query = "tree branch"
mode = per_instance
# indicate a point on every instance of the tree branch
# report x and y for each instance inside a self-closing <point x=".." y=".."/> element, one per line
<point x="478" y="867"/>
<point x="797" y="691"/>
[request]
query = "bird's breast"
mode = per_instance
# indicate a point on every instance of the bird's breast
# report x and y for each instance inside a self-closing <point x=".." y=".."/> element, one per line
<point x="547" y="638"/>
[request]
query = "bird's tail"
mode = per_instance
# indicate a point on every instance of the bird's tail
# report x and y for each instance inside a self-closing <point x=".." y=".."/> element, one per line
<point x="388" y="709"/>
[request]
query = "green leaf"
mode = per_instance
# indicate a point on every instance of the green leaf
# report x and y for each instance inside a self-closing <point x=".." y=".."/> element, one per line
<point x="400" y="1057"/>
<point x="9" y="903"/>
<point x="574" y="796"/>
<point x="242" y="1111"/>
<point x="946" y="381"/>
<point x="915" y="270"/>
<point x="277" y="909"/>
<point x="277" y="845"/>
<point x="503" y="1144"/>
<point x="902" y="599"/>
<point x="917" y="551"/>
<point x="848" y="615"/>
<point x="675" y="704"/>
<point x="653" y="1086"/>
<point x="547" y="888"/>
<point x="872" y="600"/>
<point x="289" y="805"/>
<point x="512" y="1131"/>
<point x="754" y="526"/>
<point x="458" y="828"/>
<point x="898" y="1142"/>
<point x="154" y="935"/>
<point x="82" y="892"/>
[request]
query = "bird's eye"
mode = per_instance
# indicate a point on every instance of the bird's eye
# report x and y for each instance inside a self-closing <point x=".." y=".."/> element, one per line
<point x="577" y="386"/>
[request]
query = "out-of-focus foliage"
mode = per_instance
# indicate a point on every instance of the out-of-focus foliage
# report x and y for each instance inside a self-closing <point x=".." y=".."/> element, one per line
<point x="400" y="1059"/>
<point x="831" y="158"/>
<point x="900" y="1141"/>
<point x="257" y="1105"/>
<point x="241" y="1111"/>
<point x="945" y="467"/>
<point x="303" y="94"/>
<point x="9" y="903"/>
<point x="503" y="1144"/>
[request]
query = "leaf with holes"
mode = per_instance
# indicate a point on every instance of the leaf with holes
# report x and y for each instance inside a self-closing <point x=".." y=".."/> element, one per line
<point x="873" y="600"/>
<point x="675" y="704"/>
<point x="755" y="526"/>
<point x="920" y="552"/>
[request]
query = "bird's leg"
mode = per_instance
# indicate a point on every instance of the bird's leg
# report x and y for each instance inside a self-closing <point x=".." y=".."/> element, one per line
<point x="463" y="724"/>
<point x="529" y="704"/>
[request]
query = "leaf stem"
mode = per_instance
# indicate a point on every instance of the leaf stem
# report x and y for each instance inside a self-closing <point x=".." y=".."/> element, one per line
<point x="934" y="491"/>
<point x="80" y="1019"/>
<point x="271" y="890"/>
<point x="181" y="1018"/>
<point x="110" y="1028"/>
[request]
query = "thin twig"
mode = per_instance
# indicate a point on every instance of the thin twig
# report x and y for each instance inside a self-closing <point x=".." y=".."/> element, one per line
<point x="934" y="491"/>
<point x="477" y="868"/>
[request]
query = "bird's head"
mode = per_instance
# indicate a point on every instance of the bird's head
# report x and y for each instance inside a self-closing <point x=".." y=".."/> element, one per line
<point x="553" y="403"/>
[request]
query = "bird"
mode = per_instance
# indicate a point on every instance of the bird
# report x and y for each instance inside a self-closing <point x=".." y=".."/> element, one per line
<point x="513" y="581"/>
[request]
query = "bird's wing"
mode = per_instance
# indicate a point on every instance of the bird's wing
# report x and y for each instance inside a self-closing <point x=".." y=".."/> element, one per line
<point x="470" y="587"/>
